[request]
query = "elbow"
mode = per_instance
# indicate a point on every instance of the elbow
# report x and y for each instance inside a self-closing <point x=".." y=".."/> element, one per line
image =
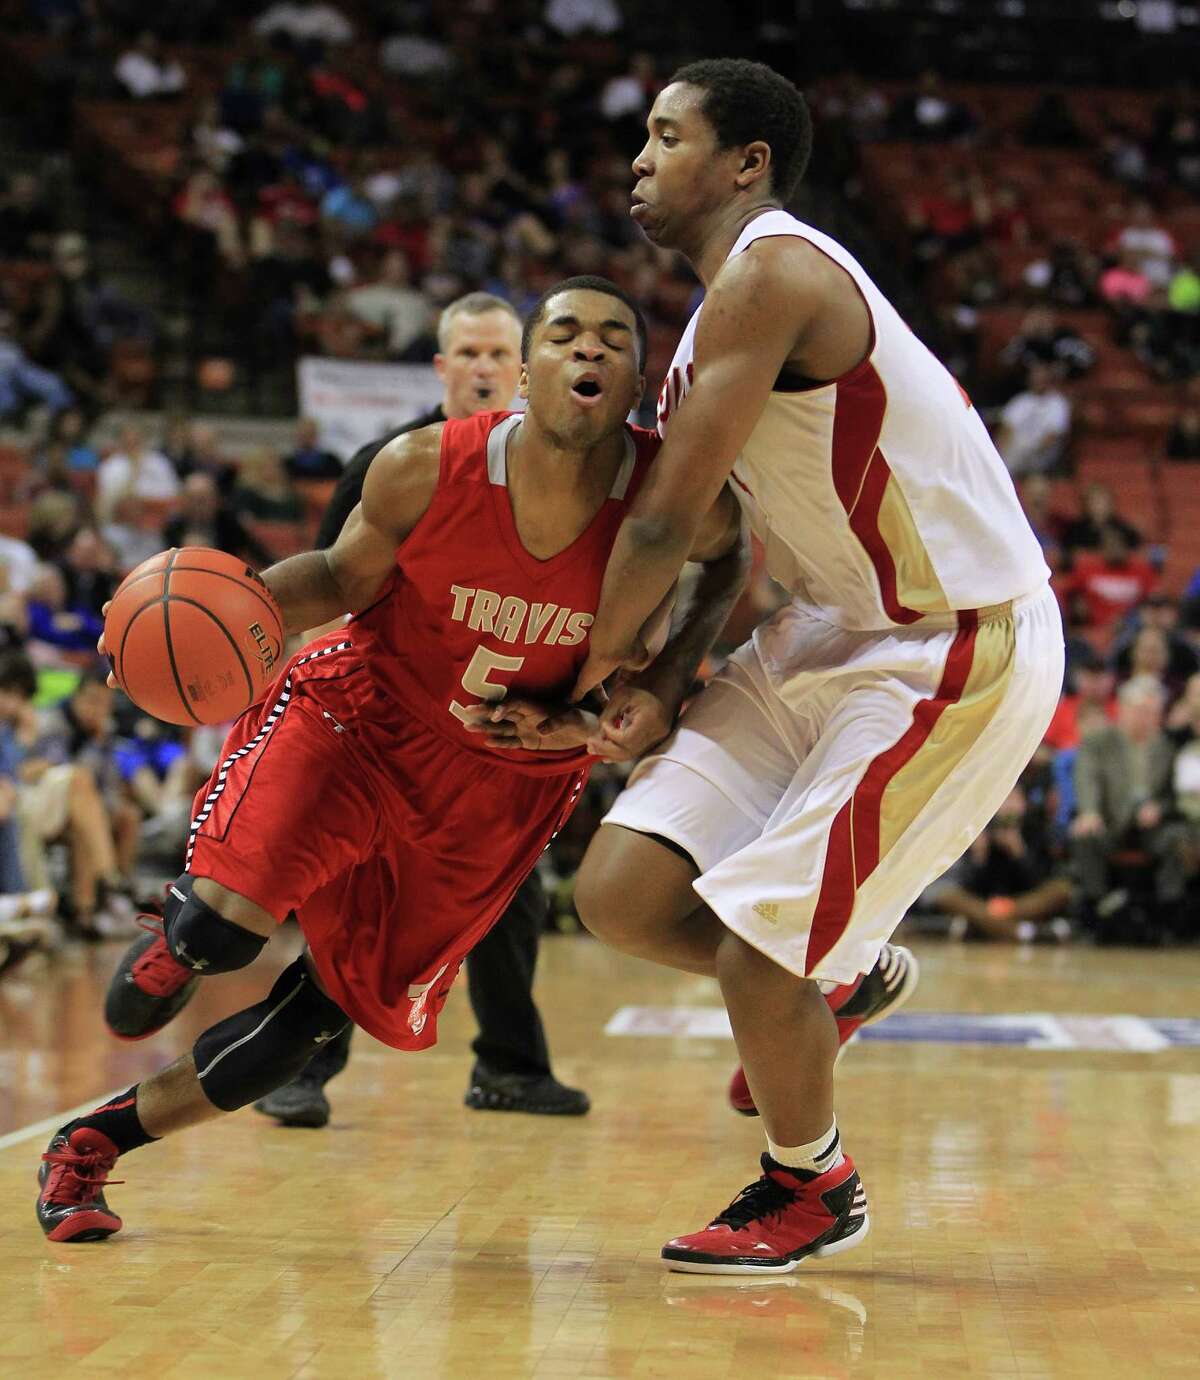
<point x="657" y="534"/>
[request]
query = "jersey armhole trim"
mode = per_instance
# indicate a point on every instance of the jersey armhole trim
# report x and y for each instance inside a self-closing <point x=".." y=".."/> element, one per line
<point x="863" y="364"/>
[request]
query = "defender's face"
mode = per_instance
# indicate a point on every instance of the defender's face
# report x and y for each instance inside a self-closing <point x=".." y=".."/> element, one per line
<point x="582" y="377"/>
<point x="681" y="174"/>
<point x="481" y="365"/>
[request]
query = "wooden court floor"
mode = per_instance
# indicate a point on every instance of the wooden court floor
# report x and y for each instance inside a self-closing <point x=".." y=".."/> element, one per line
<point x="1035" y="1213"/>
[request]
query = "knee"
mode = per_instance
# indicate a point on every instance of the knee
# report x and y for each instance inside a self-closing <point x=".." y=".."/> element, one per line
<point x="200" y="938"/>
<point x="602" y="900"/>
<point x="744" y="971"/>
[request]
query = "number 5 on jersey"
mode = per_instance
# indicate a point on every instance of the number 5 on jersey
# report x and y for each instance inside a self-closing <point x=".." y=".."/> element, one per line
<point x="476" y="678"/>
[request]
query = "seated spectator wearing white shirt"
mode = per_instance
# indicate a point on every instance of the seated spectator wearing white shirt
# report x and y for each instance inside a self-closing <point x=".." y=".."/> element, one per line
<point x="1034" y="425"/>
<point x="305" y="21"/>
<point x="573" y="17"/>
<point x="1150" y="245"/>
<point x="145" y="74"/>
<point x="396" y="312"/>
<point x="134" y="470"/>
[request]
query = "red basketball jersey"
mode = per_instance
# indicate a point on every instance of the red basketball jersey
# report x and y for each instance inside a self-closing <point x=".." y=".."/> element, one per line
<point x="469" y="615"/>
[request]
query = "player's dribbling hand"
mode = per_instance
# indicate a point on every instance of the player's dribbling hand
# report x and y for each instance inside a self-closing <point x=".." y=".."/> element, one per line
<point x="103" y="650"/>
<point x="529" y="724"/>
<point x="634" y="720"/>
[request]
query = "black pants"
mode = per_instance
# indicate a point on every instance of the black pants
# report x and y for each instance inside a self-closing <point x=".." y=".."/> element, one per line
<point x="500" y="983"/>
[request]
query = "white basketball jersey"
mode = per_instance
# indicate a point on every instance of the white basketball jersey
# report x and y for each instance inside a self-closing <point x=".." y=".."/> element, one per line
<point x="879" y="497"/>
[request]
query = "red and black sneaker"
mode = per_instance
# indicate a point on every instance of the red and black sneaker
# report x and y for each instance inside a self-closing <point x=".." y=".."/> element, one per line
<point x="863" y="1002"/>
<point x="776" y="1222"/>
<point x="71" y="1206"/>
<point x="149" y="987"/>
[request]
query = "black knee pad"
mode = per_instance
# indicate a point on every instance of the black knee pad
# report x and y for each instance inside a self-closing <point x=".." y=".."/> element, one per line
<point x="260" y="1049"/>
<point x="201" y="939"/>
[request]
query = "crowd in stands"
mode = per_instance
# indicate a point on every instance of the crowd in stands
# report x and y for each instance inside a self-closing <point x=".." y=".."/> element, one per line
<point x="342" y="174"/>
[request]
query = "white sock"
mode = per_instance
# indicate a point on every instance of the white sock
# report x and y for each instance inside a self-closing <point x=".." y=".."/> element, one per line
<point x="817" y="1157"/>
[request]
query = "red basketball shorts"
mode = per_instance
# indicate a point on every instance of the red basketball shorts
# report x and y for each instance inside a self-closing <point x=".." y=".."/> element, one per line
<point x="396" y="850"/>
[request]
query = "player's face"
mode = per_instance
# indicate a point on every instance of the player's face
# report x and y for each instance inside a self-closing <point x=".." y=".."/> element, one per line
<point x="681" y="173"/>
<point x="481" y="365"/>
<point x="582" y="377"/>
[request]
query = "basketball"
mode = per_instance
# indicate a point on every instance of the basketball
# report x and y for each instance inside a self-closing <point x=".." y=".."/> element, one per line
<point x="193" y="636"/>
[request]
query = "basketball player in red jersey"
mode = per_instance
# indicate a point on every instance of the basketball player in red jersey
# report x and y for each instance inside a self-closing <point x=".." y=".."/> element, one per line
<point x="356" y="795"/>
<point x="851" y="751"/>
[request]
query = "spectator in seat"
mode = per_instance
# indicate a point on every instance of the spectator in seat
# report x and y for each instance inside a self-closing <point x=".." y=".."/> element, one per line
<point x="1112" y="581"/>
<point x="1086" y="532"/>
<point x="930" y="114"/>
<point x="206" y="519"/>
<point x="1041" y="339"/>
<point x="53" y="621"/>
<point x="200" y="453"/>
<point x="1050" y="124"/>
<point x="70" y="427"/>
<point x="263" y="490"/>
<point x="1035" y="425"/>
<point x="347" y="211"/>
<point x="1006" y="886"/>
<point x="1066" y="276"/>
<point x="127" y="533"/>
<point x="23" y="383"/>
<point x="305" y="21"/>
<point x="59" y="800"/>
<point x="1183" y="442"/>
<point x="27" y="222"/>
<point x="570" y="18"/>
<point x="396" y="313"/>
<point x="135" y="469"/>
<point x="1124" y="286"/>
<point x="1183" y="719"/>
<point x="1158" y="615"/>
<point x="80" y="729"/>
<point x="310" y="460"/>
<point x="1088" y="700"/>
<point x="144" y="73"/>
<point x="87" y="566"/>
<point x="1049" y="525"/>
<point x="1146" y="245"/>
<point x="1124" y="777"/>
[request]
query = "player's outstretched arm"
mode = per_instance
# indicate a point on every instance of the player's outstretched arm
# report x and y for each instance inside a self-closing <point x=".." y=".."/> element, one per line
<point x="755" y="312"/>
<point x="317" y="586"/>
<point x="643" y="707"/>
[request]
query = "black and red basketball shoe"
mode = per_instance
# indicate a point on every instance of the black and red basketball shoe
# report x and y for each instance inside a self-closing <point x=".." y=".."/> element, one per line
<point x="72" y="1176"/>
<point x="869" y="999"/>
<point x="149" y="987"/>
<point x="776" y="1222"/>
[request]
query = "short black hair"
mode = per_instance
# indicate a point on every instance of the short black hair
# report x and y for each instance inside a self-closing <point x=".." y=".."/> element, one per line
<point x="585" y="282"/>
<point x="745" y="101"/>
<point x="17" y="673"/>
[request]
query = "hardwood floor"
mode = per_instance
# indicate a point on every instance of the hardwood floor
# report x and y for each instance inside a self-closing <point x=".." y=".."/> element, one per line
<point x="1035" y="1213"/>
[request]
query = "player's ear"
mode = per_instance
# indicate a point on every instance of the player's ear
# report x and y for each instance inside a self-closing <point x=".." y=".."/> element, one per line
<point x="523" y="383"/>
<point x="639" y="394"/>
<point x="755" y="164"/>
<point x="439" y="366"/>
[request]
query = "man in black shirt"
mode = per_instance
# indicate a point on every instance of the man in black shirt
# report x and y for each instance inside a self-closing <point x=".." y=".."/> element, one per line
<point x="479" y="363"/>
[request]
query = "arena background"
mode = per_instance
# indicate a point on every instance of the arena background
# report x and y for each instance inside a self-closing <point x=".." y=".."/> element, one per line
<point x="225" y="238"/>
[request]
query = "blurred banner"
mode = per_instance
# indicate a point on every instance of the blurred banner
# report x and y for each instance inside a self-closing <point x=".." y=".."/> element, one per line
<point x="355" y="402"/>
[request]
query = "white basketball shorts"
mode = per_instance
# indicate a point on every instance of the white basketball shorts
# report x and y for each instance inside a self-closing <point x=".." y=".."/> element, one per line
<point x="826" y="777"/>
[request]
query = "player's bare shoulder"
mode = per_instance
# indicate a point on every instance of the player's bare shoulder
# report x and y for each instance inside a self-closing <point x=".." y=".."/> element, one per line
<point x="401" y="481"/>
<point x="786" y="283"/>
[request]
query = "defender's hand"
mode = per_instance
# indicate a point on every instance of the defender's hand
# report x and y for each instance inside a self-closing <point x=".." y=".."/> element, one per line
<point x="529" y="724"/>
<point x="634" y="720"/>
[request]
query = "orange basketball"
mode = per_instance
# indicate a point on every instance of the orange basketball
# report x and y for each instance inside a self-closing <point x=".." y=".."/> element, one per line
<point x="194" y="636"/>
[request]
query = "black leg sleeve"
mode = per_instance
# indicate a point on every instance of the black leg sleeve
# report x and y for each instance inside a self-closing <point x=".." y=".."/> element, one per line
<point x="330" y="1058"/>
<point x="500" y="981"/>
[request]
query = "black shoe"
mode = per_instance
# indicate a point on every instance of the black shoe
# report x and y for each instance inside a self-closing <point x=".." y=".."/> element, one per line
<point x="71" y="1180"/>
<point x="538" y="1094"/>
<point x="149" y="987"/>
<point x="298" y="1103"/>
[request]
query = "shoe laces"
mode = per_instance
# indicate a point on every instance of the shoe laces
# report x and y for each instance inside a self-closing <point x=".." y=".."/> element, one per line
<point x="765" y="1197"/>
<point x="77" y="1176"/>
<point x="156" y="971"/>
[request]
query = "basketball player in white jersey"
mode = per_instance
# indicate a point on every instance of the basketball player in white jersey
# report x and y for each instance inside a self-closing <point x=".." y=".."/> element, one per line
<point x="851" y="751"/>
